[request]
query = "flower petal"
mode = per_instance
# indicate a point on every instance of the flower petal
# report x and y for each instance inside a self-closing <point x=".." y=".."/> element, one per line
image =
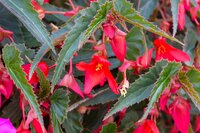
<point x="93" y="78"/>
<point x="69" y="81"/>
<point x="111" y="81"/>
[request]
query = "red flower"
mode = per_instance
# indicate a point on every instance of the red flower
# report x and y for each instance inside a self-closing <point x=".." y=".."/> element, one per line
<point x="5" y="34"/>
<point x="148" y="126"/>
<point x="118" y="40"/>
<point x="96" y="72"/>
<point x="69" y="81"/>
<point x="165" y="51"/>
<point x="179" y="110"/>
<point x="34" y="79"/>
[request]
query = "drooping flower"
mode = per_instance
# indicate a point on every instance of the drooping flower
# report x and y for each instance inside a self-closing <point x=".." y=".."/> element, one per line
<point x="118" y="40"/>
<point x="179" y="109"/>
<point x="148" y="126"/>
<point x="6" y="126"/>
<point x="6" y="83"/>
<point x="5" y="34"/>
<point x="69" y="81"/>
<point x="118" y="44"/>
<point x="141" y="63"/>
<point x="34" y="79"/>
<point x="165" y="51"/>
<point x="96" y="72"/>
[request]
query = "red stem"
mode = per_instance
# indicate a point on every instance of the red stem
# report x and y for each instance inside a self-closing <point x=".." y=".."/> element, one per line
<point x="54" y="12"/>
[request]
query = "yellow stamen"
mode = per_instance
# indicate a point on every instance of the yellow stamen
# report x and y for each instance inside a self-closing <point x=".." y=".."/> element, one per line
<point x="161" y="49"/>
<point x="99" y="67"/>
<point x="123" y="91"/>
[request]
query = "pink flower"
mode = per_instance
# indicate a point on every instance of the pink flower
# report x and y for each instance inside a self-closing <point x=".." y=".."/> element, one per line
<point x="5" y="34"/>
<point x="148" y="126"/>
<point x="179" y="110"/>
<point x="165" y="51"/>
<point x="70" y="82"/>
<point x="96" y="72"/>
<point x="6" y="126"/>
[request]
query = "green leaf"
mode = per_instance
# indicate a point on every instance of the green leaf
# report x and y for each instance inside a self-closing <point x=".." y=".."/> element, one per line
<point x="12" y="110"/>
<point x="9" y="22"/>
<point x="125" y="11"/>
<point x="189" y="89"/>
<point x="139" y="90"/>
<point x="59" y="104"/>
<point x="109" y="128"/>
<point x="72" y="123"/>
<point x="41" y="2"/>
<point x="55" y="122"/>
<point x="134" y="41"/>
<point x="106" y="96"/>
<point x="24" y="11"/>
<point x="194" y="77"/>
<point x="164" y="79"/>
<point x="25" y="52"/>
<point x="190" y="43"/>
<point x="44" y="85"/>
<point x="80" y="33"/>
<point x="12" y="60"/>
<point x="174" y="9"/>
<point x="148" y="8"/>
<point x="128" y="121"/>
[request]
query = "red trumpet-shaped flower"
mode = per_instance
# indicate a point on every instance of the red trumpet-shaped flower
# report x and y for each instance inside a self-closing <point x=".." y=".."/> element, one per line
<point x="118" y="40"/>
<point x="5" y="34"/>
<point x="148" y="126"/>
<point x="165" y="51"/>
<point x="34" y="79"/>
<point x="179" y="109"/>
<point x="96" y="72"/>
